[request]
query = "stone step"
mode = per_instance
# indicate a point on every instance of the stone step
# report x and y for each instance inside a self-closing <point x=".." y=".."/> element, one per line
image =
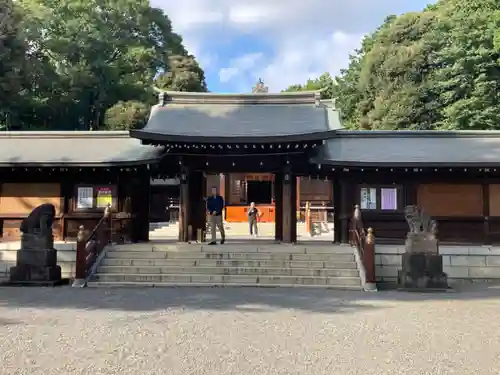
<point x="235" y="248"/>
<point x="225" y="263"/>
<point x="184" y="279"/>
<point x="324" y="272"/>
<point x="335" y="257"/>
<point x="133" y="284"/>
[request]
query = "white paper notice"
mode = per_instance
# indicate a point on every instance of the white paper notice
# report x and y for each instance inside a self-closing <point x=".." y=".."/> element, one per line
<point x="85" y="197"/>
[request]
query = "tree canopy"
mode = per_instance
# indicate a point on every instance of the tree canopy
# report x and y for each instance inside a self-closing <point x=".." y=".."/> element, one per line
<point x="87" y="64"/>
<point x="435" y="69"/>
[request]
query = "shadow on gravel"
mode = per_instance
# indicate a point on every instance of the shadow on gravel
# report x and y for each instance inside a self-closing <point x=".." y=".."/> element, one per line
<point x="226" y="299"/>
<point x="8" y="322"/>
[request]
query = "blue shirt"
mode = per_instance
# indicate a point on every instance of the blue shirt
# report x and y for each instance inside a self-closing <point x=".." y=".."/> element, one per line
<point x="215" y="204"/>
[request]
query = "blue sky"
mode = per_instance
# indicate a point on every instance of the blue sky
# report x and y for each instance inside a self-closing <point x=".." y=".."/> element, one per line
<point x="282" y="41"/>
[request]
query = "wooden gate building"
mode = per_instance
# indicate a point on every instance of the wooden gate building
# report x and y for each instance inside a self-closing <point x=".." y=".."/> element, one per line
<point x="205" y="139"/>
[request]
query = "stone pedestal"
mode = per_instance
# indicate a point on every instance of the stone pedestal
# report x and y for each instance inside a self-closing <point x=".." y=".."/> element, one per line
<point x="36" y="261"/>
<point x="422" y="264"/>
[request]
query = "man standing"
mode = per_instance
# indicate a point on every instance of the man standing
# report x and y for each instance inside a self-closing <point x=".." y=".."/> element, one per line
<point x="215" y="206"/>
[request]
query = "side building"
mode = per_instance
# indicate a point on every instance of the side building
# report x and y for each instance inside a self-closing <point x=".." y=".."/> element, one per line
<point x="80" y="173"/>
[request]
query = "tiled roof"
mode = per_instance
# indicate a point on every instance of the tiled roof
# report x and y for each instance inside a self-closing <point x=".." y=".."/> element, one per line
<point x="206" y="117"/>
<point x="83" y="148"/>
<point x="411" y="148"/>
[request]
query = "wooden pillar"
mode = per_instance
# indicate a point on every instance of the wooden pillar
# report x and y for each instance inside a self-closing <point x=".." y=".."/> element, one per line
<point x="298" y="193"/>
<point x="192" y="213"/>
<point x="145" y="194"/>
<point x="348" y="200"/>
<point x="278" y="207"/>
<point x="184" y="209"/>
<point x="337" y="210"/>
<point x="139" y="190"/>
<point x="222" y="186"/>
<point x="66" y="198"/>
<point x="197" y="187"/>
<point x="486" y="214"/>
<point x="289" y="208"/>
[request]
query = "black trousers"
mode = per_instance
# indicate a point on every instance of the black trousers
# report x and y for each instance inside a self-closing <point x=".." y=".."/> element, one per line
<point x="252" y="222"/>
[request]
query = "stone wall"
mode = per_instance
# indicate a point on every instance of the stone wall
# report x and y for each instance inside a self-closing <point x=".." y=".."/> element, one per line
<point x="461" y="263"/>
<point x="66" y="257"/>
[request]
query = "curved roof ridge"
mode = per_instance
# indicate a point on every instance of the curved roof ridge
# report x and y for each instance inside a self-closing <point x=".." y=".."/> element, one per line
<point x="417" y="133"/>
<point x="51" y="134"/>
<point x="302" y="97"/>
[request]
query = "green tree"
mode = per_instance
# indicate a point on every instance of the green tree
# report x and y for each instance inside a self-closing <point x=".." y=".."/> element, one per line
<point x="324" y="83"/>
<point x="12" y="61"/>
<point x="126" y="115"/>
<point x="87" y="56"/>
<point x="183" y="74"/>
<point x="468" y="80"/>
<point x="435" y="69"/>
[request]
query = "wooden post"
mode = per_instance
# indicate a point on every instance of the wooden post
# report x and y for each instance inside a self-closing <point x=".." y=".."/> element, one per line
<point x="298" y="193"/>
<point x="197" y="208"/>
<point x="308" y="218"/>
<point x="81" y="258"/>
<point x="346" y="197"/>
<point x="337" y="209"/>
<point x="278" y="207"/>
<point x="289" y="208"/>
<point x="109" y="223"/>
<point x="222" y="193"/>
<point x="369" y="257"/>
<point x="486" y="213"/>
<point x="184" y="207"/>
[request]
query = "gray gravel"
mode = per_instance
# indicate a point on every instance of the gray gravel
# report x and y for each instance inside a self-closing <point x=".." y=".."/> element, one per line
<point x="202" y="331"/>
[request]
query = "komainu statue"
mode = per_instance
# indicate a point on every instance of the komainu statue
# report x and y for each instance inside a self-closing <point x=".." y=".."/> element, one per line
<point x="422" y="266"/>
<point x="36" y="262"/>
<point x="419" y="222"/>
<point x="40" y="220"/>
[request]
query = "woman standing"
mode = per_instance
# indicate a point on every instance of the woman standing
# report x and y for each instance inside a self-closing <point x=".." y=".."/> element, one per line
<point x="253" y="217"/>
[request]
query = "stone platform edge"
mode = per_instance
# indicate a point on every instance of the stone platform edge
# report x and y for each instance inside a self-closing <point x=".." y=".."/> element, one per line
<point x="461" y="263"/>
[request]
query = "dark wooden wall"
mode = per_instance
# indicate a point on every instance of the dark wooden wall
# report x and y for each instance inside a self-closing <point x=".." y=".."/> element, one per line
<point x="465" y="205"/>
<point x="69" y="219"/>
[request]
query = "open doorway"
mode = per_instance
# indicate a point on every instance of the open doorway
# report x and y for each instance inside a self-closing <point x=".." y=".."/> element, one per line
<point x="259" y="192"/>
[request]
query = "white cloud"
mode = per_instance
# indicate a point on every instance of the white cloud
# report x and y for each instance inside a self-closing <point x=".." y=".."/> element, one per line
<point x="240" y="65"/>
<point x="308" y="37"/>
<point x="295" y="64"/>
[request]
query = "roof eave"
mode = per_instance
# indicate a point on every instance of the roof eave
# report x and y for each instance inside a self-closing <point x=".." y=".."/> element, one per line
<point x="124" y="163"/>
<point x="168" y="138"/>
<point x="403" y="164"/>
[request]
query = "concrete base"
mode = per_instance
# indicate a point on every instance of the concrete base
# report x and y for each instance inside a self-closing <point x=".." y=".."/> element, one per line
<point x="29" y="273"/>
<point x="422" y="271"/>
<point x="36" y="265"/>
<point x="60" y="282"/>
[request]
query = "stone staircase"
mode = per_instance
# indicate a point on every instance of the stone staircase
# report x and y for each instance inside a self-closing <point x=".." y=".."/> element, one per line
<point x="235" y="230"/>
<point x="233" y="264"/>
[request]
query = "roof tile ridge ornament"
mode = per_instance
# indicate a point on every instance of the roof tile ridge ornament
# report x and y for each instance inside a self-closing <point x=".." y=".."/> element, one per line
<point x="260" y="88"/>
<point x="317" y="99"/>
<point x="161" y="98"/>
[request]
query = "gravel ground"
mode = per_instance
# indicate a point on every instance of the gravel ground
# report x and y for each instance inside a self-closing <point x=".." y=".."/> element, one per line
<point x="191" y="331"/>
